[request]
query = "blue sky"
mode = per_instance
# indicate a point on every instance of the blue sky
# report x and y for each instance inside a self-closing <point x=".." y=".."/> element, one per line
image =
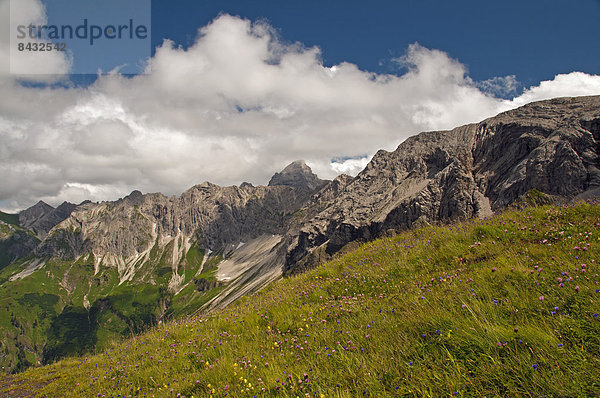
<point x="236" y="90"/>
<point x="531" y="39"/>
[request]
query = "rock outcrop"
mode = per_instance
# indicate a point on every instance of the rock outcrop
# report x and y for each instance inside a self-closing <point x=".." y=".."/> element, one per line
<point x="216" y="217"/>
<point x="29" y="227"/>
<point x="15" y="243"/>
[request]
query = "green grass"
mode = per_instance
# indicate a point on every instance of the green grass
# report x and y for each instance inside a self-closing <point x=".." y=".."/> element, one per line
<point x="192" y="261"/>
<point x="5" y="231"/>
<point x="502" y="307"/>
<point x="213" y="261"/>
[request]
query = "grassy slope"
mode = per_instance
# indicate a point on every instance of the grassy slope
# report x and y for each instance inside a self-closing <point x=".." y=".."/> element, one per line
<point x="503" y="307"/>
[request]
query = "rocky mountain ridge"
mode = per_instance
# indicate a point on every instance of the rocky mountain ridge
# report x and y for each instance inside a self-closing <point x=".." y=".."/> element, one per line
<point x="123" y="234"/>
<point x="470" y="171"/>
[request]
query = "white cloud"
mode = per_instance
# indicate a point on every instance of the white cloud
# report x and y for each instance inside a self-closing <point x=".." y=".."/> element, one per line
<point x="38" y="66"/>
<point x="236" y="106"/>
<point x="350" y="166"/>
<point x="564" y="85"/>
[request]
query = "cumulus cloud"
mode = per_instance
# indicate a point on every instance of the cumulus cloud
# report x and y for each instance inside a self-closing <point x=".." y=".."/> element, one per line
<point x="238" y="105"/>
<point x="39" y="66"/>
<point x="563" y="85"/>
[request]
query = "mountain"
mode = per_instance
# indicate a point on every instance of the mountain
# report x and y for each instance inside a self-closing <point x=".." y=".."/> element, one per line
<point x="22" y="233"/>
<point x="48" y="219"/>
<point x="140" y="233"/>
<point x="471" y="171"/>
<point x="15" y="242"/>
<point x="299" y="175"/>
<point x="28" y="217"/>
<point x="96" y="271"/>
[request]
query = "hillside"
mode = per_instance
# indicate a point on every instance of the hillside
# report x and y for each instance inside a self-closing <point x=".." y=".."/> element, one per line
<point x="505" y="306"/>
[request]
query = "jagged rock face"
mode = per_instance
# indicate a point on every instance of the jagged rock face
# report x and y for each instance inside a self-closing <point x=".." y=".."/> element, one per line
<point x="18" y="241"/>
<point x="553" y="146"/>
<point x="44" y="224"/>
<point x="298" y="175"/>
<point x="42" y="217"/>
<point x="28" y="217"/>
<point x="469" y="171"/>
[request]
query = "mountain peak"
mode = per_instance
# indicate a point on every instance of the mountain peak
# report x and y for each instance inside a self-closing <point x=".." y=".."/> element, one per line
<point x="297" y="174"/>
<point x="41" y="205"/>
<point x="135" y="197"/>
<point x="31" y="215"/>
<point x="37" y="210"/>
<point x="135" y="194"/>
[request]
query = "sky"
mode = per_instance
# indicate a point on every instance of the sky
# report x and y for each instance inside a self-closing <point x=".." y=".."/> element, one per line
<point x="232" y="91"/>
